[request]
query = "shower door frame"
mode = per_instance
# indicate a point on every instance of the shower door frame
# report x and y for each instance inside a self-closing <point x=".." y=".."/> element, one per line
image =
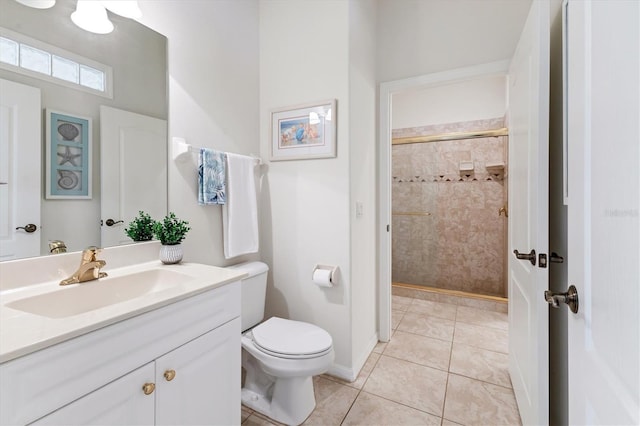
<point x="387" y="90"/>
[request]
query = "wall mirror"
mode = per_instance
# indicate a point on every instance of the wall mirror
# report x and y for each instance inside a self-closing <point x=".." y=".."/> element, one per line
<point x="125" y="155"/>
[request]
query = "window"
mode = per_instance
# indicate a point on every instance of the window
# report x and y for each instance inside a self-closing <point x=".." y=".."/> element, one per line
<point x="64" y="69"/>
<point x="24" y="55"/>
<point x="34" y="59"/>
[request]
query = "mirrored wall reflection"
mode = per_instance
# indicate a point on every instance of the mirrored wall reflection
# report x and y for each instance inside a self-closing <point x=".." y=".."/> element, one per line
<point x="137" y="57"/>
<point x="448" y="231"/>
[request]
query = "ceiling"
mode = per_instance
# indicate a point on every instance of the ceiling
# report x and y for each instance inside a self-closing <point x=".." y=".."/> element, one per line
<point x="417" y="37"/>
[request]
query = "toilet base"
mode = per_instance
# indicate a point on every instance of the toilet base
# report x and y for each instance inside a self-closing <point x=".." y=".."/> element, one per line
<point x="280" y="388"/>
<point x="289" y="401"/>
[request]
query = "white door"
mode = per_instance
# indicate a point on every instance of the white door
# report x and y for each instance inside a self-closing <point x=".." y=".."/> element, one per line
<point x="20" y="164"/>
<point x="603" y="73"/>
<point x="133" y="151"/>
<point x="528" y="216"/>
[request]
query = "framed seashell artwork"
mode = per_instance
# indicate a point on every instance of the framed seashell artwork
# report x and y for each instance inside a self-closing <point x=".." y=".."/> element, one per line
<point x="68" y="156"/>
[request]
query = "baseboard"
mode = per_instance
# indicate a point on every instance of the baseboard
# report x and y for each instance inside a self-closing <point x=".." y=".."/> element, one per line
<point x="350" y="374"/>
<point x="365" y="355"/>
<point x="341" y="372"/>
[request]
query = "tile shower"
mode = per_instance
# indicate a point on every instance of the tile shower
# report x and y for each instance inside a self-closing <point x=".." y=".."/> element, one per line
<point x="447" y="230"/>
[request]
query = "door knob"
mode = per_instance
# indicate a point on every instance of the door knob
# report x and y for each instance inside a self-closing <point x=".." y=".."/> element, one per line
<point x="111" y="222"/>
<point x="169" y="375"/>
<point x="531" y="256"/>
<point x="148" y="388"/>
<point x="570" y="298"/>
<point x="28" y="228"/>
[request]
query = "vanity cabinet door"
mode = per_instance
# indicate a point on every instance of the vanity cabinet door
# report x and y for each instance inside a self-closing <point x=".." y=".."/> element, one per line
<point x="199" y="382"/>
<point x="121" y="402"/>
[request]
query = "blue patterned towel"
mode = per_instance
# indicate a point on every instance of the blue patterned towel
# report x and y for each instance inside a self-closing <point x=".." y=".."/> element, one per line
<point x="211" y="177"/>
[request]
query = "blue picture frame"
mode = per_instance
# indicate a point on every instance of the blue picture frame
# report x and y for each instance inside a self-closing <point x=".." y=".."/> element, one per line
<point x="68" y="174"/>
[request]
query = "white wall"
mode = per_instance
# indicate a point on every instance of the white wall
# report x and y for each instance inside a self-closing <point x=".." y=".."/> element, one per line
<point x="213" y="100"/>
<point x="417" y="37"/>
<point x="362" y="153"/>
<point x="307" y="210"/>
<point x="475" y="99"/>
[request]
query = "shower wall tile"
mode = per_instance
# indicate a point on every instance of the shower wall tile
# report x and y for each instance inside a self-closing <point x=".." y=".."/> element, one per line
<point x="460" y="246"/>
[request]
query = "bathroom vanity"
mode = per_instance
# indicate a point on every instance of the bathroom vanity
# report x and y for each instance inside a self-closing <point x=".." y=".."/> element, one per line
<point x="149" y="344"/>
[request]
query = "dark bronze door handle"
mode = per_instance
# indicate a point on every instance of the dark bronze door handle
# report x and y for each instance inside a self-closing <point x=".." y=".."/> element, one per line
<point x="28" y="228"/>
<point x="531" y="256"/>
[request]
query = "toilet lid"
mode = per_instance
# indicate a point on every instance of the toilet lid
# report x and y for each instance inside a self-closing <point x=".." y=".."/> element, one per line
<point x="288" y="337"/>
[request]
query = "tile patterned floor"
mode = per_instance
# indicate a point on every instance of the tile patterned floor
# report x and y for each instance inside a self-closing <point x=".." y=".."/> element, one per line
<point x="446" y="364"/>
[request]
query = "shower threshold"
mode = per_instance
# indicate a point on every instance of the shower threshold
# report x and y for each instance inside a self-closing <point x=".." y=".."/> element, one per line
<point x="457" y="293"/>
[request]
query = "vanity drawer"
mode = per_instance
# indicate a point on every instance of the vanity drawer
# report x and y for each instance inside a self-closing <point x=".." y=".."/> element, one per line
<point x="37" y="384"/>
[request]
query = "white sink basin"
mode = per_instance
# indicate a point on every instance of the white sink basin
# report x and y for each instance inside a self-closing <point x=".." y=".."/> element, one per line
<point x="36" y="312"/>
<point x="84" y="297"/>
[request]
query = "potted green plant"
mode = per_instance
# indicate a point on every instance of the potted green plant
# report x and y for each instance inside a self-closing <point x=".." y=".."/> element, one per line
<point x="141" y="227"/>
<point x="171" y="231"/>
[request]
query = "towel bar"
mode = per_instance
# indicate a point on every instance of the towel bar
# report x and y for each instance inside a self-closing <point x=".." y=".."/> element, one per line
<point x="180" y="146"/>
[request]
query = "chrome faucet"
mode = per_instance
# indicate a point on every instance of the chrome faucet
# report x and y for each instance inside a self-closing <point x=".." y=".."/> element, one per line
<point x="89" y="268"/>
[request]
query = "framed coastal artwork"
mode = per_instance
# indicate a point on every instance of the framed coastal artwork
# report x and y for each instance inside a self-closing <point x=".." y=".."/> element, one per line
<point x="304" y="131"/>
<point x="68" y="156"/>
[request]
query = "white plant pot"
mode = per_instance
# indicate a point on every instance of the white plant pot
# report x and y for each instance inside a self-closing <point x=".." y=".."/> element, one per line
<point x="170" y="254"/>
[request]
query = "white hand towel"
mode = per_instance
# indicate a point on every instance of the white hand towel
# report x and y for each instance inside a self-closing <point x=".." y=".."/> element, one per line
<point x="240" y="213"/>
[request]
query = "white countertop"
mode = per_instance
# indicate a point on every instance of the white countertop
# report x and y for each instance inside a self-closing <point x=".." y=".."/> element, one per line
<point x="22" y="333"/>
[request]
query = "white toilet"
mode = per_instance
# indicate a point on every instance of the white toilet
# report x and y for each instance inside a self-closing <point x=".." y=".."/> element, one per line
<point x="280" y="356"/>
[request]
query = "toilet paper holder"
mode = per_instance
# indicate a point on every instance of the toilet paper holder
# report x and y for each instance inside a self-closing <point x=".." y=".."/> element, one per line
<point x="332" y="271"/>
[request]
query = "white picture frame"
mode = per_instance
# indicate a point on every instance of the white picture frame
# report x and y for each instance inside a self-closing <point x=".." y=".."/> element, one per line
<point x="303" y="132"/>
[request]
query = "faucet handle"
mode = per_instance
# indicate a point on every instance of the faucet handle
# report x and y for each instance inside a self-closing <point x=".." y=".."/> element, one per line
<point x="89" y="268"/>
<point x="89" y="254"/>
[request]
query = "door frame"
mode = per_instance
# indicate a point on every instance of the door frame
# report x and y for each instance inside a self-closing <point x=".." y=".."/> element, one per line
<point x="387" y="90"/>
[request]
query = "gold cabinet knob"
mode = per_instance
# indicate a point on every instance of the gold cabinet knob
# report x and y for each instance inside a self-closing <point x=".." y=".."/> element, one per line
<point x="148" y="388"/>
<point x="169" y="375"/>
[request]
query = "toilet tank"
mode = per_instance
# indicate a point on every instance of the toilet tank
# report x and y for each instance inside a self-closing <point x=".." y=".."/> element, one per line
<point x="253" y="292"/>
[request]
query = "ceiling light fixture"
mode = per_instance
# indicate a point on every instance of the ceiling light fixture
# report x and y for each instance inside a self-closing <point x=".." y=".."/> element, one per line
<point x="91" y="16"/>
<point x="38" y="4"/>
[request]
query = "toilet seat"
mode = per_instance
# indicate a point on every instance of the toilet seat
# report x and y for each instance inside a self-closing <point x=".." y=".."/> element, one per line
<point x="291" y="339"/>
<point x="292" y="356"/>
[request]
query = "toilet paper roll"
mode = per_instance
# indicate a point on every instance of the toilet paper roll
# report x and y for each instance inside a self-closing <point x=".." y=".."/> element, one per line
<point x="322" y="277"/>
